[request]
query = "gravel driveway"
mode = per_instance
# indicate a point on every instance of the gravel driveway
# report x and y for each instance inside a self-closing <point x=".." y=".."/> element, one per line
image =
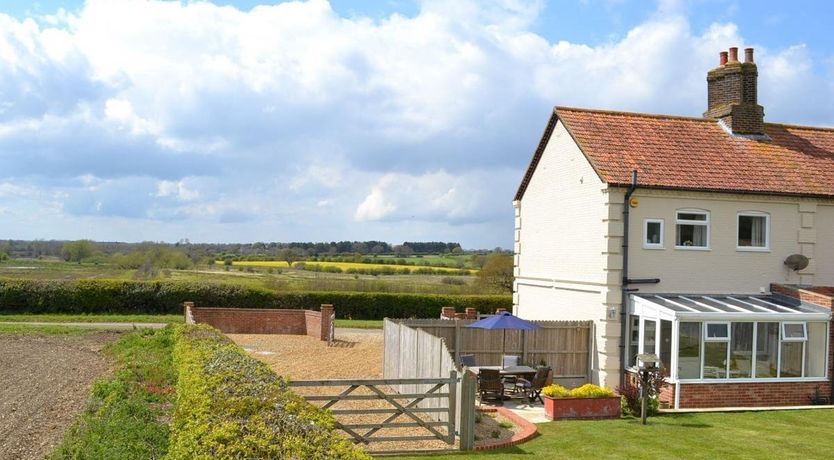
<point x="44" y="384"/>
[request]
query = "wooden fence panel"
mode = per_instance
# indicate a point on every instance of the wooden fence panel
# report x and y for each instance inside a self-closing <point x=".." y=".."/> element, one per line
<point x="563" y="345"/>
<point x="422" y="355"/>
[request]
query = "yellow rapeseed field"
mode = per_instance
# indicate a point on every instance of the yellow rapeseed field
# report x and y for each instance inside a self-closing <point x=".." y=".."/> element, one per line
<point x="258" y="263"/>
<point x="342" y="265"/>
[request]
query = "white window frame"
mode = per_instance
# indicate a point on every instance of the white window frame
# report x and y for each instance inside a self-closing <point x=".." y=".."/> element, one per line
<point x="646" y="244"/>
<point x="766" y="247"/>
<point x="784" y="337"/>
<point x="705" y="223"/>
<point x="754" y="378"/>
<point x="716" y="339"/>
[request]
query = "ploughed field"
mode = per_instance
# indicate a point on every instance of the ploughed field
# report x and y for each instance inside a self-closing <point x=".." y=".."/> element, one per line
<point x="44" y="384"/>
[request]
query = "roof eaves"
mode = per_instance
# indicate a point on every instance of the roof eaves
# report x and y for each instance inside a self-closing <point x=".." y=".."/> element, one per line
<point x="724" y="190"/>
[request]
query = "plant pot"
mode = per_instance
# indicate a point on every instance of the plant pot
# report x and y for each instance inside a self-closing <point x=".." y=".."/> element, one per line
<point x="581" y="408"/>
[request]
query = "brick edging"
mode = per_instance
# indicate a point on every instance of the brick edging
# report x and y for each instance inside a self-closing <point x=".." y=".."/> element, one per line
<point x="528" y="430"/>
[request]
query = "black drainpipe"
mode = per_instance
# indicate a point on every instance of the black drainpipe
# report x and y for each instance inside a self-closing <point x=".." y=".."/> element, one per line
<point x="624" y="302"/>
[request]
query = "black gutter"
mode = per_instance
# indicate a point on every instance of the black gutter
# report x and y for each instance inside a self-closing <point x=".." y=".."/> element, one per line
<point x="625" y="281"/>
<point x="642" y="280"/>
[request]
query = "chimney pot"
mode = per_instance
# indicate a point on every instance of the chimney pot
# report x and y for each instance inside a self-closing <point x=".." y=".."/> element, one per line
<point x="732" y="94"/>
<point x="722" y="58"/>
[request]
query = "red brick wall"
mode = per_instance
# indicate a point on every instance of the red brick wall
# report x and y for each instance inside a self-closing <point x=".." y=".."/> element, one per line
<point x="823" y="296"/>
<point x="749" y="394"/>
<point x="263" y="320"/>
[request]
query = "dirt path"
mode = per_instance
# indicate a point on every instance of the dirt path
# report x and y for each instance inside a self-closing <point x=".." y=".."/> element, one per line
<point x="44" y="383"/>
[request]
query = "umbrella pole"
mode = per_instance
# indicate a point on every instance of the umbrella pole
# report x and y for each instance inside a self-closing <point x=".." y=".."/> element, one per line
<point x="503" y="346"/>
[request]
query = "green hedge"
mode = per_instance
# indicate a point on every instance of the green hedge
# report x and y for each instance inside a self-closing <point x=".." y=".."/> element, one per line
<point x="150" y="297"/>
<point x="230" y="405"/>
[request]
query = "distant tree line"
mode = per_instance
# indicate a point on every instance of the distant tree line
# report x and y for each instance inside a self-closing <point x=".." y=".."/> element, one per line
<point x="85" y="249"/>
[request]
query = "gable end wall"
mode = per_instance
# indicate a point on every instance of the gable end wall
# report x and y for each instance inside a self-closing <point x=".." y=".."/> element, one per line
<point x="567" y="249"/>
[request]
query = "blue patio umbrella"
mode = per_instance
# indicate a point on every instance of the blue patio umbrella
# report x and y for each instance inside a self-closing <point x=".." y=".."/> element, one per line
<point x="504" y="321"/>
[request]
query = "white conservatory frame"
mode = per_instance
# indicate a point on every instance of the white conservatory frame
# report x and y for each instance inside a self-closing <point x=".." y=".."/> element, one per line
<point x="704" y="309"/>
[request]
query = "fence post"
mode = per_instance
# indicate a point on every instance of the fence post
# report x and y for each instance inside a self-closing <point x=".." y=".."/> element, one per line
<point x="524" y="337"/>
<point x="453" y="384"/>
<point x="457" y="342"/>
<point x="591" y="334"/>
<point x="467" y="411"/>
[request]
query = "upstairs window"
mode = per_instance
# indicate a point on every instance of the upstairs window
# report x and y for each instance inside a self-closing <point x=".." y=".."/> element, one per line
<point x="692" y="229"/>
<point x="753" y="231"/>
<point x="653" y="233"/>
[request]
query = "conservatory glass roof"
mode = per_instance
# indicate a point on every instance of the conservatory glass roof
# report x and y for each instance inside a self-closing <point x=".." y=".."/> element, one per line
<point x="776" y="307"/>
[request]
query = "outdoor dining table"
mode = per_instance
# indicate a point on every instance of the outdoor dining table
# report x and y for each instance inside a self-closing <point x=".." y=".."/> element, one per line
<point x="526" y="372"/>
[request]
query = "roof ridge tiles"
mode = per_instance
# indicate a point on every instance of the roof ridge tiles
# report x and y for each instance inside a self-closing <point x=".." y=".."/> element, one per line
<point x="631" y="114"/>
<point x="663" y="116"/>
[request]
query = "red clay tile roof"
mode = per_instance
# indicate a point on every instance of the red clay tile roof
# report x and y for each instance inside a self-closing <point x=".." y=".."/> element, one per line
<point x="697" y="153"/>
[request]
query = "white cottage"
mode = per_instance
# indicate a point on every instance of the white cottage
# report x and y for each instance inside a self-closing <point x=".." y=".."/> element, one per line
<point x="709" y="241"/>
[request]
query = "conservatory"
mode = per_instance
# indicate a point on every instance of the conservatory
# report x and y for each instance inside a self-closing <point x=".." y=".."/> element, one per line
<point x="730" y="339"/>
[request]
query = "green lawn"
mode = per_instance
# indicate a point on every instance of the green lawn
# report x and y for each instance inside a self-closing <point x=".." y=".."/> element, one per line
<point x="89" y="318"/>
<point x="360" y="323"/>
<point x="46" y="329"/>
<point x="754" y="435"/>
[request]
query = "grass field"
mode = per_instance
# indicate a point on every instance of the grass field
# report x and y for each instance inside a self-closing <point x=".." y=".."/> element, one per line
<point x="343" y="265"/>
<point x="359" y="323"/>
<point x="753" y="435"/>
<point x="46" y="329"/>
<point x="96" y="318"/>
<point x="282" y="279"/>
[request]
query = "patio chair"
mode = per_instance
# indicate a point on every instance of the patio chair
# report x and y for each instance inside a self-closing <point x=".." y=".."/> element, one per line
<point x="490" y="385"/>
<point x="533" y="388"/>
<point x="510" y="361"/>
<point x="467" y="360"/>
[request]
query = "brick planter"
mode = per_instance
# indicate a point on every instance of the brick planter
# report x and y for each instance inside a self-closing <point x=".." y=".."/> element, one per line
<point x="581" y="408"/>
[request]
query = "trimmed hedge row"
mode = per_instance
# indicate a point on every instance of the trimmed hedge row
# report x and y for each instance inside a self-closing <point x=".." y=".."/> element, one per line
<point x="152" y="297"/>
<point x="230" y="405"/>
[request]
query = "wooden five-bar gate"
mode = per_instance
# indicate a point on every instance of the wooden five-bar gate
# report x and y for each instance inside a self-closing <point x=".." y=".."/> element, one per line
<point x="372" y="411"/>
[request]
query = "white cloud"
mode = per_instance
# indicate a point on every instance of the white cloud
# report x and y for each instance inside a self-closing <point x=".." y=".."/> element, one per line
<point x="318" y="126"/>
<point x="176" y="189"/>
<point x="435" y="196"/>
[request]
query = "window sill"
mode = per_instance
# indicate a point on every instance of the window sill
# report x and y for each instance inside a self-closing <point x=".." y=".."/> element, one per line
<point x="692" y="248"/>
<point x="654" y="248"/>
<point x="751" y="249"/>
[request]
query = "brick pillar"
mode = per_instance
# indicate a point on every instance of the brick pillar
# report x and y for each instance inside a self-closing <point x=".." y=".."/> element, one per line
<point x="187" y="306"/>
<point x="500" y="310"/>
<point x="327" y="313"/>
<point x="460" y="315"/>
<point x="471" y="313"/>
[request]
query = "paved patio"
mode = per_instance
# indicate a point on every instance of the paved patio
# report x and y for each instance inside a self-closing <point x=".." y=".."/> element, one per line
<point x="533" y="413"/>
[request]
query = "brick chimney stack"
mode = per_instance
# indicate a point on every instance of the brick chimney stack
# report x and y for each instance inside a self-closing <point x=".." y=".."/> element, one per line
<point x="732" y="93"/>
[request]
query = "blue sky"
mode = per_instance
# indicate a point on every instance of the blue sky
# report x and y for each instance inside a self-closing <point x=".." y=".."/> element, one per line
<point x="234" y="121"/>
